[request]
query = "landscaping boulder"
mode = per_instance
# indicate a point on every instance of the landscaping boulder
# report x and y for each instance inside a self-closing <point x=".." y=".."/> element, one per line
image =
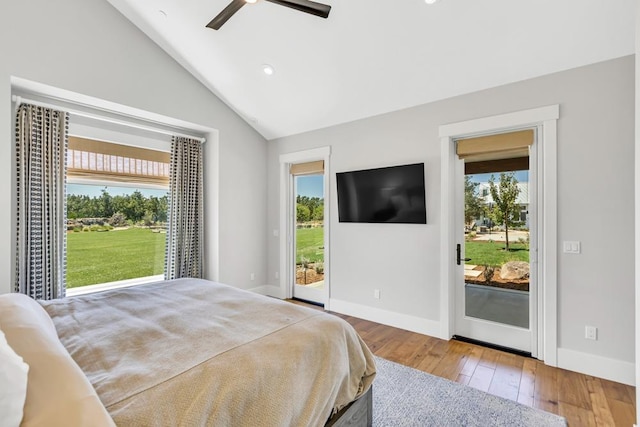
<point x="514" y="270"/>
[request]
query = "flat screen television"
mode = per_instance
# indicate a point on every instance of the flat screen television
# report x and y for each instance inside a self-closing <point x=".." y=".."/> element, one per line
<point x="384" y="195"/>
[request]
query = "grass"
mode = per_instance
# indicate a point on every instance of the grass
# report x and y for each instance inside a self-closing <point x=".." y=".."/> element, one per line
<point x="310" y="244"/>
<point x="493" y="253"/>
<point x="102" y="257"/>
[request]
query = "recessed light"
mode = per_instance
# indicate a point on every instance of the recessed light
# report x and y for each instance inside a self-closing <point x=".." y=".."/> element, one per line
<point x="268" y="69"/>
<point x="430" y="1"/>
<point x="250" y="1"/>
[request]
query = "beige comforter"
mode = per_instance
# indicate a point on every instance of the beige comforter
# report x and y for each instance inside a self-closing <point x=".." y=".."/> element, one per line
<point x="191" y="352"/>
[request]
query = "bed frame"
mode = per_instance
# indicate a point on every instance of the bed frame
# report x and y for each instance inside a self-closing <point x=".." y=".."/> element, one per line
<point x="356" y="414"/>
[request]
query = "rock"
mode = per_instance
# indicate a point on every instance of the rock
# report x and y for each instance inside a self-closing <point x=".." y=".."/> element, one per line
<point x="514" y="270"/>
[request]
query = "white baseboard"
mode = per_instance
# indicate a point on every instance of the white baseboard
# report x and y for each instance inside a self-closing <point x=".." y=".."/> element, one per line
<point x="597" y="366"/>
<point x="269" y="290"/>
<point x="390" y="318"/>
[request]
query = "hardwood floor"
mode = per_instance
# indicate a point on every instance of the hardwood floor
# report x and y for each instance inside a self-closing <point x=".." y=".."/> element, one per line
<point x="582" y="399"/>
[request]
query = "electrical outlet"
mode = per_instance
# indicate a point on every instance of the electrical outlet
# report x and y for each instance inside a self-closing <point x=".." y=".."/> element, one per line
<point x="253" y="276"/>
<point x="277" y="275"/>
<point x="376" y="293"/>
<point x="591" y="332"/>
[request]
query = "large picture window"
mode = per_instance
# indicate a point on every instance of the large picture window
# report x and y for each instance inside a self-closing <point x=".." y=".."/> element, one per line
<point x="117" y="201"/>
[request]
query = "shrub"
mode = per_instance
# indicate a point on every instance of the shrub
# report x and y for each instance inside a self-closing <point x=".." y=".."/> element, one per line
<point x="319" y="267"/>
<point x="117" y="220"/>
<point x="488" y="273"/>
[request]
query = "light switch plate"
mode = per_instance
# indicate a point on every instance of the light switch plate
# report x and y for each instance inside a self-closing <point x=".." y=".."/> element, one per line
<point x="571" y="247"/>
<point x="591" y="332"/>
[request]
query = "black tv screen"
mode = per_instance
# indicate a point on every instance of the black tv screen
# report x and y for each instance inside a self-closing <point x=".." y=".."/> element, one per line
<point x="394" y="195"/>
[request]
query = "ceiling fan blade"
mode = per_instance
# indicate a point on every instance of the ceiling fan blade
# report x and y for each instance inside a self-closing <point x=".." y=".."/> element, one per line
<point x="308" y="6"/>
<point x="226" y="13"/>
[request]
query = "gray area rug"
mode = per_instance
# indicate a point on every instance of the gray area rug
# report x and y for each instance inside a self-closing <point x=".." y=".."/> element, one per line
<point x="404" y="396"/>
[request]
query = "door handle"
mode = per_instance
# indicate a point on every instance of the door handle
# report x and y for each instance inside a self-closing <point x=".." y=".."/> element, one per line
<point x="459" y="253"/>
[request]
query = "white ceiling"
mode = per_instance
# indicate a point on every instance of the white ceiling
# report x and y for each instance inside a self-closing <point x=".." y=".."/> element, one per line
<point x="374" y="56"/>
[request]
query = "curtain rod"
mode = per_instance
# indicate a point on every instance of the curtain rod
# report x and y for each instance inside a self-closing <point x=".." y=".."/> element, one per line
<point x="20" y="100"/>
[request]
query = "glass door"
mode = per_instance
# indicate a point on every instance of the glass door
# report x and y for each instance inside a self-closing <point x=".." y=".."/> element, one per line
<point x="494" y="279"/>
<point x="309" y="238"/>
<point x="497" y="270"/>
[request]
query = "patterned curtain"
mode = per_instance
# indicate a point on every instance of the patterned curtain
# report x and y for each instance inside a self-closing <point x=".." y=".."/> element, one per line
<point x="185" y="232"/>
<point x="41" y="145"/>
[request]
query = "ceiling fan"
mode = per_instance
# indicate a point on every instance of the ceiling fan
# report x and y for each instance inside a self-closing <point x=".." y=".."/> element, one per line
<point x="308" y="6"/>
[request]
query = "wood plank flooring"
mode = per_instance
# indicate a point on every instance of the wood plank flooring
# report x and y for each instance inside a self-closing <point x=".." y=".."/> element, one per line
<point x="582" y="399"/>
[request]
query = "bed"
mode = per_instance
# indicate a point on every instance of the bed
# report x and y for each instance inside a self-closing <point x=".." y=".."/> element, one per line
<point x="186" y="352"/>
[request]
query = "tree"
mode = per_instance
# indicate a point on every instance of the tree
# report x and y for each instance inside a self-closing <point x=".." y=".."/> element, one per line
<point x="318" y="213"/>
<point x="504" y="196"/>
<point x="105" y="205"/>
<point x="156" y="208"/>
<point x="303" y="214"/>
<point x="473" y="203"/>
<point x="314" y="205"/>
<point x="134" y="208"/>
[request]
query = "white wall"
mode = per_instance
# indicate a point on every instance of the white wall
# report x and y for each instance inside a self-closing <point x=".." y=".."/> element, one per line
<point x="596" y="204"/>
<point x="86" y="46"/>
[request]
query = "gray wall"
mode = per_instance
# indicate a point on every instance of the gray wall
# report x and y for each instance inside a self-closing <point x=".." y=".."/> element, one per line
<point x="86" y="46"/>
<point x="595" y="206"/>
<point x="637" y="206"/>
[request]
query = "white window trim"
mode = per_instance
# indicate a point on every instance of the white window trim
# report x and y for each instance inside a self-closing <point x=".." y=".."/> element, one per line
<point x="546" y="118"/>
<point x="135" y="118"/>
<point x="89" y="289"/>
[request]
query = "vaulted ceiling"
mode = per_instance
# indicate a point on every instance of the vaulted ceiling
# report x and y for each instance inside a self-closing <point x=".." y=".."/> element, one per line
<point x="374" y="56"/>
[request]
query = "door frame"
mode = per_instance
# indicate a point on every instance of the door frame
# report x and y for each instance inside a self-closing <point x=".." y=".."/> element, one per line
<point x="545" y="119"/>
<point x="287" y="219"/>
<point x="510" y="336"/>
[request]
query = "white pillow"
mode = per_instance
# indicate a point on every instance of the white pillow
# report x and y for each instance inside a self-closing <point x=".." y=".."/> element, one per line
<point x="13" y="377"/>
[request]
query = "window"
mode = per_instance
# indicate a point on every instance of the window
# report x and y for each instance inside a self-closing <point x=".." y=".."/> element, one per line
<point x="117" y="200"/>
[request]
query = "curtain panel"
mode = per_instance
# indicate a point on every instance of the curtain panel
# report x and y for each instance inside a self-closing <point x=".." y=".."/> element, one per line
<point x="185" y="233"/>
<point x="41" y="145"/>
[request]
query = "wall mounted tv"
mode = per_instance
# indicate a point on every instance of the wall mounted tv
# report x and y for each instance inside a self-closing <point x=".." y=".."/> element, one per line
<point x="385" y="195"/>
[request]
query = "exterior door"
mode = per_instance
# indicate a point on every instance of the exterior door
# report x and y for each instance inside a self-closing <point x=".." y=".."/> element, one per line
<point x="494" y="237"/>
<point x="309" y="242"/>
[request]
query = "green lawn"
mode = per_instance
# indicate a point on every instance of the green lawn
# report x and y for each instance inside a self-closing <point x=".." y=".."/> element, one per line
<point x="493" y="253"/>
<point x="310" y="244"/>
<point x="101" y="257"/>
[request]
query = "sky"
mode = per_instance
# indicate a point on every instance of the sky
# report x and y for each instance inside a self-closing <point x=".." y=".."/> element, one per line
<point x="310" y="186"/>
<point x="96" y="190"/>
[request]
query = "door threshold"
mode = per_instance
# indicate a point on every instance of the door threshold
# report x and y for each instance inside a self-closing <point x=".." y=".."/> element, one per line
<point x="492" y="346"/>
<point x="319" y="304"/>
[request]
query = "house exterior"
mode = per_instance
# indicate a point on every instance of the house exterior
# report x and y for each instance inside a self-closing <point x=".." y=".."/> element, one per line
<point x="484" y="191"/>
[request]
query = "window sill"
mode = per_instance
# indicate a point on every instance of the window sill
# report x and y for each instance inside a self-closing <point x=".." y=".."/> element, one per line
<point x="82" y="290"/>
